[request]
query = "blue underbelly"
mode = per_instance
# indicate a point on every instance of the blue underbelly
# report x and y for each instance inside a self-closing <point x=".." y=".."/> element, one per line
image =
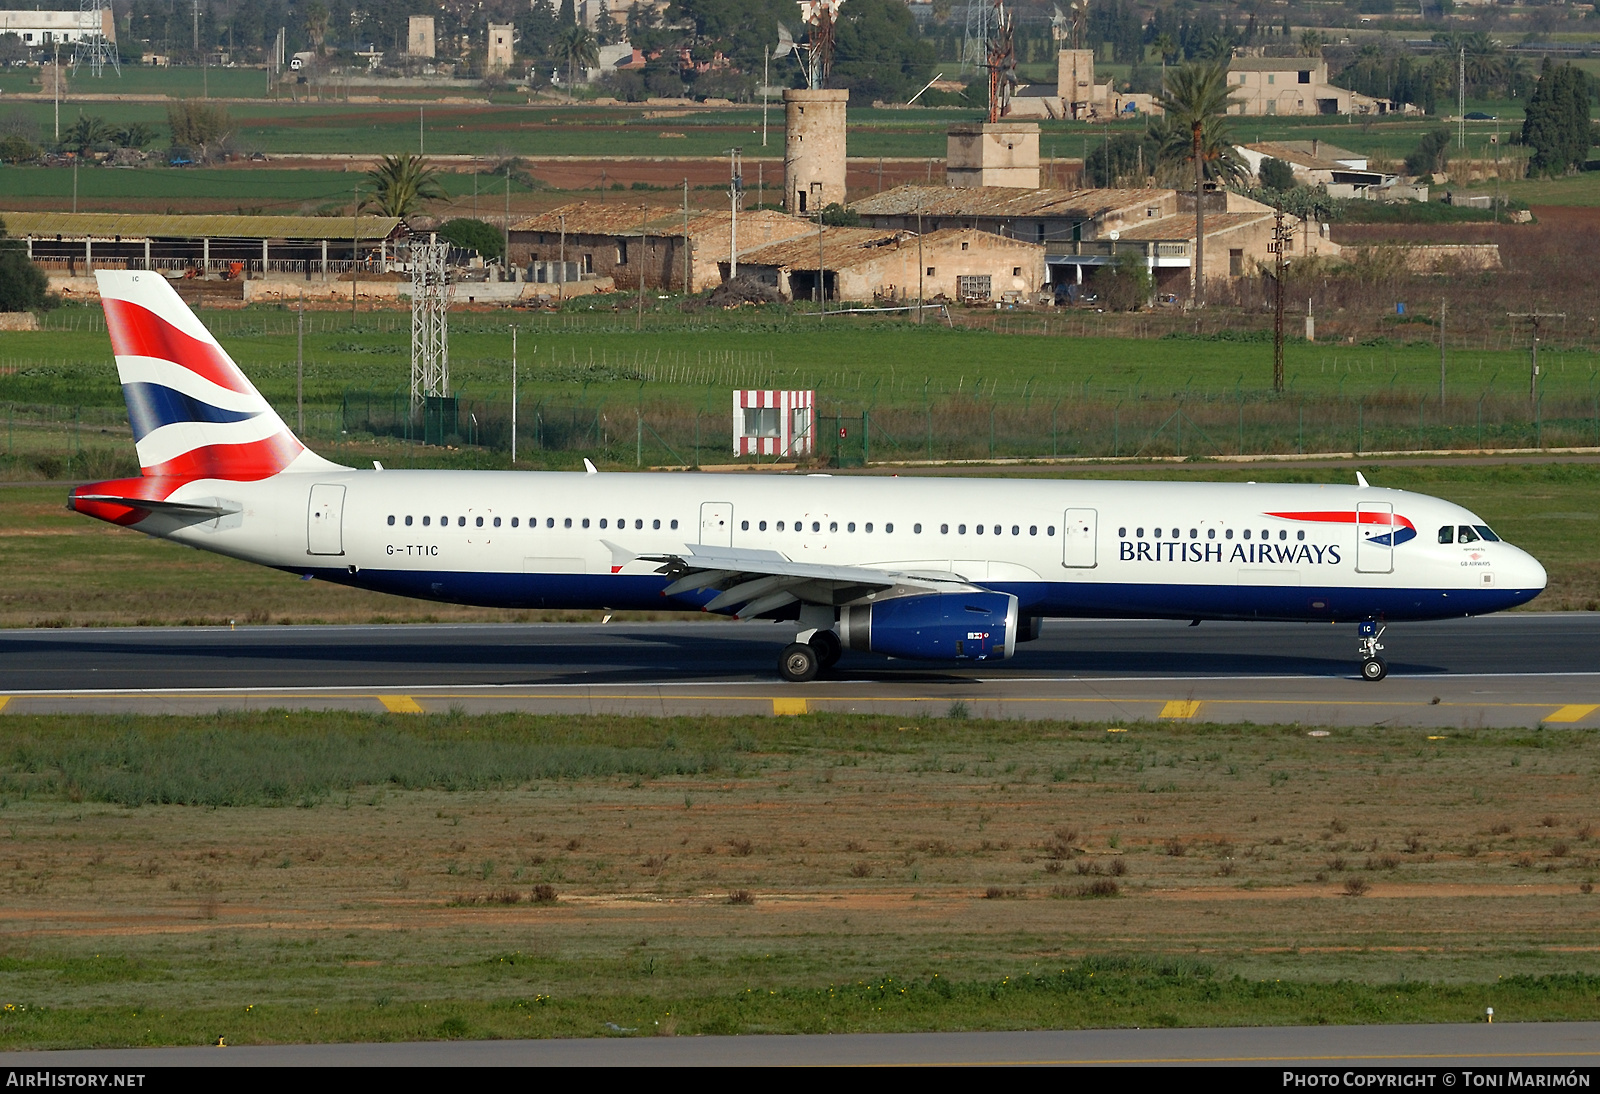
<point x="1061" y="599"/>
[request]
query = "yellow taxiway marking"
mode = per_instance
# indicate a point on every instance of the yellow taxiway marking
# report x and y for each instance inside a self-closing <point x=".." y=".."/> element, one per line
<point x="4" y="699"/>
<point x="788" y="706"/>
<point x="1181" y="708"/>
<point x="1573" y="712"/>
<point x="400" y="704"/>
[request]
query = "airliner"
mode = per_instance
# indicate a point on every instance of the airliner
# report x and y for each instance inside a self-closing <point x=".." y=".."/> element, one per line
<point x="935" y="569"/>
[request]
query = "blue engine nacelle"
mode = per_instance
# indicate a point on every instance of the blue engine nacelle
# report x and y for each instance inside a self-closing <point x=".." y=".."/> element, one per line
<point x="938" y="627"/>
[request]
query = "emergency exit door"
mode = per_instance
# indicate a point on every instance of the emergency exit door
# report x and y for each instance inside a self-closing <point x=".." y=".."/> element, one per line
<point x="1078" y="539"/>
<point x="716" y="524"/>
<point x="325" y="520"/>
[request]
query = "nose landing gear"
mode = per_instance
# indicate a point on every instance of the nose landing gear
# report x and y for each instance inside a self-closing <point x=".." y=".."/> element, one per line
<point x="1373" y="667"/>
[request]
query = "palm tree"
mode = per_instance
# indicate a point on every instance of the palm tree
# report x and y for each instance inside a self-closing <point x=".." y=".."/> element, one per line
<point x="1165" y="46"/>
<point x="1195" y="97"/>
<point x="1311" y="43"/>
<point x="401" y="185"/>
<point x="577" y="47"/>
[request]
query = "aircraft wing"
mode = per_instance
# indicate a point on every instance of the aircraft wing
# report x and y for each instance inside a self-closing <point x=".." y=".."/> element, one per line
<point x="756" y="582"/>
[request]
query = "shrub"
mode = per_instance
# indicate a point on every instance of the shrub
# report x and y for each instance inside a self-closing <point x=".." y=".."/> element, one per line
<point x="741" y="896"/>
<point x="1356" y="886"/>
<point x="1125" y="285"/>
<point x="474" y="235"/>
<point x="543" y="894"/>
<point x="1276" y="175"/>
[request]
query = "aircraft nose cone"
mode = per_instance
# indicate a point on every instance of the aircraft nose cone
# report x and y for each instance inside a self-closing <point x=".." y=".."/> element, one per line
<point x="1531" y="573"/>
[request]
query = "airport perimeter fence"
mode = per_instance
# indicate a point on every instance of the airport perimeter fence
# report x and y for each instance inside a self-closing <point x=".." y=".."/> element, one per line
<point x="661" y="433"/>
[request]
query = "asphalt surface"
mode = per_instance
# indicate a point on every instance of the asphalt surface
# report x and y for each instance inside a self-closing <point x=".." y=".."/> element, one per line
<point x="1486" y="1049"/>
<point x="1514" y="669"/>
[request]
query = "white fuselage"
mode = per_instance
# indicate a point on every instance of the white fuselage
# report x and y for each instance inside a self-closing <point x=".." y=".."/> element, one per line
<point x="1064" y="547"/>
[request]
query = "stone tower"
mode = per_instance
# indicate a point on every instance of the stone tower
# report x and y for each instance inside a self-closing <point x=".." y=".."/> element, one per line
<point x="419" y="37"/>
<point x="993" y="154"/>
<point x="813" y="150"/>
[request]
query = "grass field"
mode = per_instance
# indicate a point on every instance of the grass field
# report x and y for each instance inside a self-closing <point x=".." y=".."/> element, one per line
<point x="545" y="129"/>
<point x="68" y="570"/>
<point x="305" y="877"/>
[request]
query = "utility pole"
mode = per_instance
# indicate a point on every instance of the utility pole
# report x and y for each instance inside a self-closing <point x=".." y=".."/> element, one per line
<point x="1461" y="98"/>
<point x="55" y="84"/>
<point x="688" y="269"/>
<point x="919" y="260"/>
<point x="420" y="109"/>
<point x="735" y="190"/>
<point x="513" y="395"/>
<point x="506" y="258"/>
<point x="1533" y="318"/>
<point x="300" y="369"/>
<point x="1441" y="353"/>
<point x="1282" y="234"/>
<point x="822" y="273"/>
<point x="561" y="271"/>
<point x="765" y="55"/>
<point x="195" y="9"/>
<point x="643" y="209"/>
<point x="355" y="252"/>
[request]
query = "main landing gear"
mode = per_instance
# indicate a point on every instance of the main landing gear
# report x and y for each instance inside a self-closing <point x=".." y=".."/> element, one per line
<point x="1373" y="667"/>
<point x="809" y="653"/>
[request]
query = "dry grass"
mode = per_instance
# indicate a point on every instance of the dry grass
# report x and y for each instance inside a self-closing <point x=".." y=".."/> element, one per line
<point x="404" y="893"/>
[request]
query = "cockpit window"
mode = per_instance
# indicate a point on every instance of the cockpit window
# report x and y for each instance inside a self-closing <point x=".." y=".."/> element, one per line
<point x="1483" y="530"/>
<point x="1447" y="534"/>
<point x="1466" y="534"/>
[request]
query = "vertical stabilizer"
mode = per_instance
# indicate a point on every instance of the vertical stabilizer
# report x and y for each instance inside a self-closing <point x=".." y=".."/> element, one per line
<point x="194" y="415"/>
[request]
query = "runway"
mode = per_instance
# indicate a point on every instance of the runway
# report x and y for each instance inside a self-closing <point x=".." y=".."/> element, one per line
<point x="1521" y="669"/>
<point x="1485" y="1049"/>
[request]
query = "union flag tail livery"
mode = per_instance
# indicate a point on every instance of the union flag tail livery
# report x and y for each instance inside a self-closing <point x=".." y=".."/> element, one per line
<point x="193" y="413"/>
<point x="939" y="569"/>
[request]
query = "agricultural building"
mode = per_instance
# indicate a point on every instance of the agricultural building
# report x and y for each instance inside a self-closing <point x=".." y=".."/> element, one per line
<point x="1293" y="85"/>
<point x="630" y="242"/>
<point x="896" y="265"/>
<point x="39" y="29"/>
<point x="1080" y="229"/>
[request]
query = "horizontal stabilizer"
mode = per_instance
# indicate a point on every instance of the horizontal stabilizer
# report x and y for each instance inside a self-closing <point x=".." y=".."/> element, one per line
<point x="174" y="508"/>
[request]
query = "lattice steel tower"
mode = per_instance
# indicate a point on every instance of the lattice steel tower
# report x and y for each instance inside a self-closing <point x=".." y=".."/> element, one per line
<point x="93" y="46"/>
<point x="430" y="336"/>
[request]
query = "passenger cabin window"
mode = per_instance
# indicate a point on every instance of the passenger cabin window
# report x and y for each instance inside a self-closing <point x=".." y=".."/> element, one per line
<point x="391" y="521"/>
<point x="888" y="528"/>
<point x="425" y="521"/>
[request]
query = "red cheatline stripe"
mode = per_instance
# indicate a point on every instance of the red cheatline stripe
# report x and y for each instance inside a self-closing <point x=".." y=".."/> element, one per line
<point x="1349" y="518"/>
<point x="240" y="462"/>
<point x="136" y="331"/>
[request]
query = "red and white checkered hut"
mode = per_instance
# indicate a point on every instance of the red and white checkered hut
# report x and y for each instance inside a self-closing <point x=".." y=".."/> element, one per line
<point x="773" y="423"/>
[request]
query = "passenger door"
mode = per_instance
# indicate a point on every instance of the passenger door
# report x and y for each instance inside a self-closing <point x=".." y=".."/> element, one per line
<point x="1078" y="533"/>
<point x="1374" y="537"/>
<point x="325" y="520"/>
<point x="716" y="524"/>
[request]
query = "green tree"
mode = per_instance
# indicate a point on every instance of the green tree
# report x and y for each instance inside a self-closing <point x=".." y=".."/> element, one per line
<point x="578" y="49"/>
<point x="837" y="216"/>
<point x="1556" y="125"/>
<point x="135" y="135"/>
<point x="1431" y="154"/>
<point x="1195" y="100"/>
<point x="1311" y="43"/>
<point x="402" y="184"/>
<point x="1126" y="284"/>
<point x="1276" y="175"/>
<point x="878" y="52"/>
<point x="474" y="235"/>
<point x="199" y="125"/>
<point x="316" y="20"/>
<point x="23" y="286"/>
<point x="86" y="133"/>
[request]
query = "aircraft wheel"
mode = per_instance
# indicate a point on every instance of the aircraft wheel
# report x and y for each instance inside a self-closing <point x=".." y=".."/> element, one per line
<point x="829" y="648"/>
<point x="1374" y="669"/>
<point x="799" y="663"/>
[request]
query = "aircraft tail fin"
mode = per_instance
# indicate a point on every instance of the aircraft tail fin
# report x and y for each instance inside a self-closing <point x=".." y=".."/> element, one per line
<point x="193" y="412"/>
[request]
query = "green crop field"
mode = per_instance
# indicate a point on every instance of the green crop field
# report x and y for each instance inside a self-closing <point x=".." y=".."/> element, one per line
<point x="290" y="876"/>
